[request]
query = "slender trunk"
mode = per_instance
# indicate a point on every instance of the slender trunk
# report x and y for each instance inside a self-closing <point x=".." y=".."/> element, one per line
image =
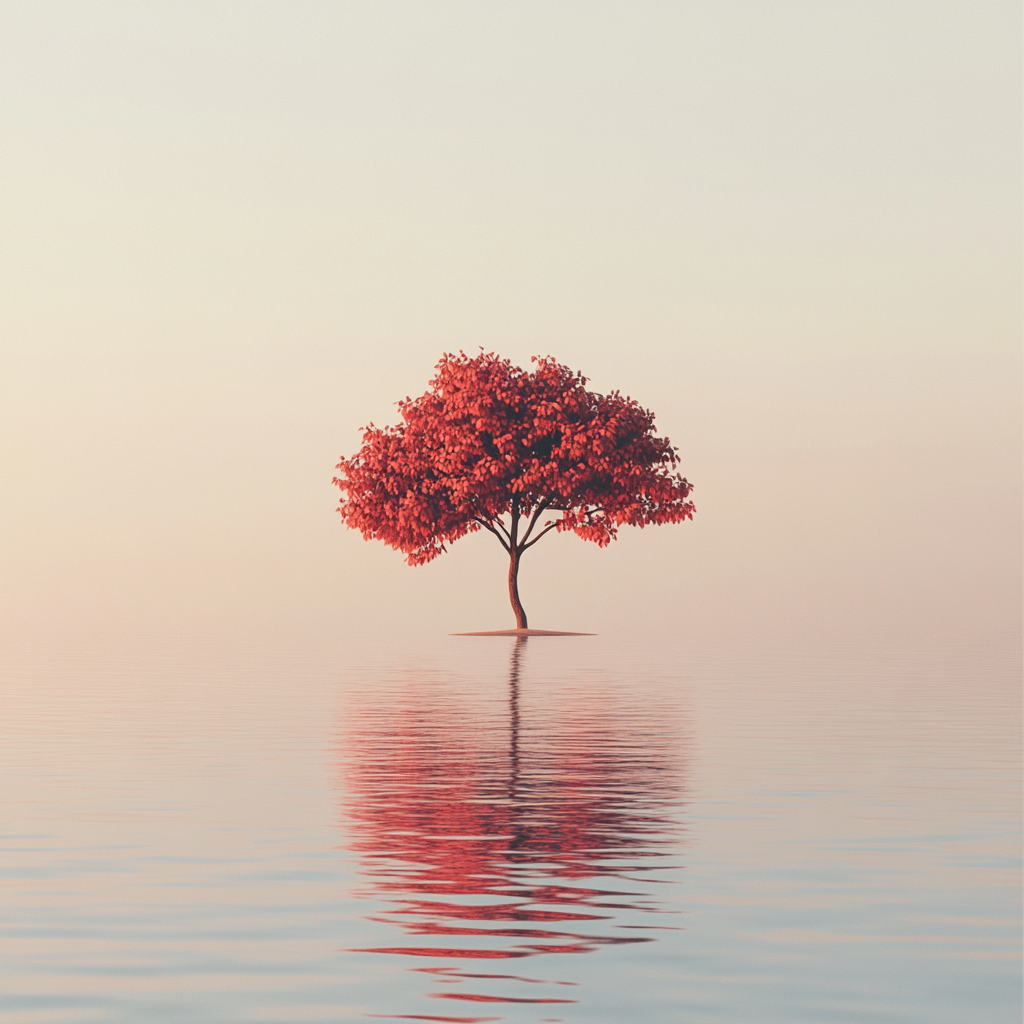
<point x="515" y="553"/>
<point x="513" y="589"/>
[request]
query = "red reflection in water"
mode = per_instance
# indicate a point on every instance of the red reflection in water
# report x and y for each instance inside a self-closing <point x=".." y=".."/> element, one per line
<point x="489" y="831"/>
<point x="469" y="997"/>
<point x="424" y="1016"/>
<point x="458" y="974"/>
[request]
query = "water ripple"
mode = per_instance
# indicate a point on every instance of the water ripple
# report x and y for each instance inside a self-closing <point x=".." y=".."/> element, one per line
<point x="497" y="824"/>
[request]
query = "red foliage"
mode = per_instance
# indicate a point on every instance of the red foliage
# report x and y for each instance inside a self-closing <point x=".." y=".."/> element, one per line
<point x="489" y="440"/>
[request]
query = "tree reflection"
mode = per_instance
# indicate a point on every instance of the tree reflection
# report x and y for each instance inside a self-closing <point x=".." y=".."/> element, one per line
<point x="485" y="839"/>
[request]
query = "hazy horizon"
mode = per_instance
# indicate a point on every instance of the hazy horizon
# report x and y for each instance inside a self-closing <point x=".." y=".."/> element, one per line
<point x="236" y="233"/>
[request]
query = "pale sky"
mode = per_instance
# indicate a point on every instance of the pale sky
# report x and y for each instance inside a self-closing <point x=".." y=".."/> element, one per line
<point x="234" y="233"/>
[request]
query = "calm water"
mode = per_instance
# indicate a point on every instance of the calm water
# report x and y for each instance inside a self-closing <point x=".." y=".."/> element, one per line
<point x="471" y="829"/>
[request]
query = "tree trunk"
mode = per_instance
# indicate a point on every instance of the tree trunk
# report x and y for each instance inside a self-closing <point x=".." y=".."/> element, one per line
<point x="513" y="589"/>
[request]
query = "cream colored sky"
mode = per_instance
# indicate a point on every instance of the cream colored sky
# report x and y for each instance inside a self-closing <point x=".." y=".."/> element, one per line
<point x="235" y="232"/>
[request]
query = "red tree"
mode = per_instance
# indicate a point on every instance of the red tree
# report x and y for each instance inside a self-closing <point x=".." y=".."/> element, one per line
<point x="496" y="447"/>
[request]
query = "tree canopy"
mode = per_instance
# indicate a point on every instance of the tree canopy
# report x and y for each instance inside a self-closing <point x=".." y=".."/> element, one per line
<point x="516" y="452"/>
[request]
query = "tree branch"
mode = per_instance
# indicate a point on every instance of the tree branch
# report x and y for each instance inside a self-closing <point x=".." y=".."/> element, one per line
<point x="514" y="529"/>
<point x="547" y="529"/>
<point x="538" y="512"/>
<point x="484" y="520"/>
<point x="487" y="526"/>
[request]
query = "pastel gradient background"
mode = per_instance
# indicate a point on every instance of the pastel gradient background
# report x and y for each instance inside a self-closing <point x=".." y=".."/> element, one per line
<point x="246" y="774"/>
<point x="233" y="233"/>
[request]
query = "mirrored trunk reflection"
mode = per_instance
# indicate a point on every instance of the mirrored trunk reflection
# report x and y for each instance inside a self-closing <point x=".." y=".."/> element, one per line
<point x="493" y="830"/>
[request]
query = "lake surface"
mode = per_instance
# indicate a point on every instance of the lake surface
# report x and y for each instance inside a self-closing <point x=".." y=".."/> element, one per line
<point x="474" y="829"/>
